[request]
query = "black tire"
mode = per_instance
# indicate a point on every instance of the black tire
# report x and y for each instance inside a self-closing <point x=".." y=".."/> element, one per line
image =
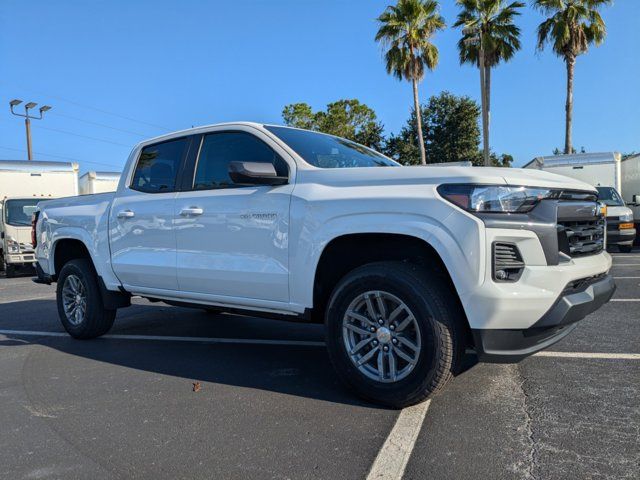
<point x="9" y="270"/>
<point x="625" y="248"/>
<point x="96" y="320"/>
<point x="438" y="317"/>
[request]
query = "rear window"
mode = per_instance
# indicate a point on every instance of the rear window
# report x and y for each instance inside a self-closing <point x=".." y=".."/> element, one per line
<point x="158" y="166"/>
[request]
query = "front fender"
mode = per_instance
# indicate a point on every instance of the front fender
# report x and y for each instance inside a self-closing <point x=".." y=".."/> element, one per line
<point x="458" y="239"/>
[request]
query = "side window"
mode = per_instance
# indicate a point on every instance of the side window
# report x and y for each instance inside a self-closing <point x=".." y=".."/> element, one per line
<point x="158" y="167"/>
<point x="219" y="149"/>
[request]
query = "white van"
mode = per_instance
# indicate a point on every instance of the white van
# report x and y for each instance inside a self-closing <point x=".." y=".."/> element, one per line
<point x="22" y="185"/>
<point x="605" y="171"/>
<point x="98" y="182"/>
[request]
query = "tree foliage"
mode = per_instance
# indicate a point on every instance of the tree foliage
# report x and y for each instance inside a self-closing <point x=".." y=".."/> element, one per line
<point x="570" y="27"/>
<point x="406" y="30"/>
<point x="500" y="35"/>
<point x="451" y="131"/>
<point x="345" y="118"/>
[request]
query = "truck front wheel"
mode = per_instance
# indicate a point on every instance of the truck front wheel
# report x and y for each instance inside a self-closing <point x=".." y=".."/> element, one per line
<point x="79" y="301"/>
<point x="393" y="333"/>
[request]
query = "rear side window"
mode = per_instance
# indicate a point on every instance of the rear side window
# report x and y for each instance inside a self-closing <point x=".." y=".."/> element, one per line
<point x="158" y="167"/>
<point x="219" y="149"/>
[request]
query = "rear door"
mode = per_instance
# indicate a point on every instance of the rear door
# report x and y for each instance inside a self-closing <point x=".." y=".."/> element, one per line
<point x="142" y="235"/>
<point x="232" y="239"/>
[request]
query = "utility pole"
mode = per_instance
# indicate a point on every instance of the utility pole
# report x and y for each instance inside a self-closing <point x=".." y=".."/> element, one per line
<point x="476" y="39"/>
<point x="27" y="119"/>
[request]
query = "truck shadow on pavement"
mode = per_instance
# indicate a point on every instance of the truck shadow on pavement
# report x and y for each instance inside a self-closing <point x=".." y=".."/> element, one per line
<point x="303" y="371"/>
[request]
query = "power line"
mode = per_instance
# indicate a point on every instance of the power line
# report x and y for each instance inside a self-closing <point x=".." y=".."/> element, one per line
<point x="99" y="124"/>
<point x="65" y="157"/>
<point x="84" y="136"/>
<point x="107" y="112"/>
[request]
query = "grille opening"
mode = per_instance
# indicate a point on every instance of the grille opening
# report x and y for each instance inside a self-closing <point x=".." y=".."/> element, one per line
<point x="507" y="262"/>
<point x="580" y="238"/>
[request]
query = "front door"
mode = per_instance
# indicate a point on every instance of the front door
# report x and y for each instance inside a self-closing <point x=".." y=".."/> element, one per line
<point x="233" y="240"/>
<point x="142" y="237"/>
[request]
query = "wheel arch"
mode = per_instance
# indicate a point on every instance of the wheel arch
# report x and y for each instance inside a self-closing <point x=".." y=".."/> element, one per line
<point x="346" y="252"/>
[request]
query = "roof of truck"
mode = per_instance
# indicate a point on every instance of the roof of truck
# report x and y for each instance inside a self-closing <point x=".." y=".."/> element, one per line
<point x="102" y="175"/>
<point x="576" y="158"/>
<point x="37" y="166"/>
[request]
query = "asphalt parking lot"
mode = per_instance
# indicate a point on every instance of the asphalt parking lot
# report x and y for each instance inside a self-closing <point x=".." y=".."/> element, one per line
<point x="269" y="406"/>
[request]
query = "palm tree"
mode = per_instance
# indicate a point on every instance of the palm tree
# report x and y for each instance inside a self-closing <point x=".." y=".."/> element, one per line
<point x="571" y="26"/>
<point x="499" y="39"/>
<point x="406" y="30"/>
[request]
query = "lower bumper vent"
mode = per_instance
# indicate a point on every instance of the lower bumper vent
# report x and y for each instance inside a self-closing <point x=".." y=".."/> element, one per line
<point x="507" y="262"/>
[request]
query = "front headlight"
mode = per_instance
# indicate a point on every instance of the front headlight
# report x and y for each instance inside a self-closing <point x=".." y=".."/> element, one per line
<point x="13" y="246"/>
<point x="495" y="198"/>
<point x="627" y="217"/>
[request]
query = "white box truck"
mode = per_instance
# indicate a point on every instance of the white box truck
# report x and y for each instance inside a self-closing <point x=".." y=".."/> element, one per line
<point x="605" y="171"/>
<point x="22" y="185"/>
<point x="98" y="182"/>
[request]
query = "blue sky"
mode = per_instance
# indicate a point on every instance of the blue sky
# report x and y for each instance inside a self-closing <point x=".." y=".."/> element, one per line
<point x="169" y="65"/>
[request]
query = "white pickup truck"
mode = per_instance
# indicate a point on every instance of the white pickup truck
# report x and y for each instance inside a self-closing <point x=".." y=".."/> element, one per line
<point x="406" y="266"/>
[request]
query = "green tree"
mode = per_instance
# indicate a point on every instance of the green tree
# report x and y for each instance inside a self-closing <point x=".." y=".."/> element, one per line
<point x="452" y="133"/>
<point x="345" y="118"/>
<point x="571" y="26"/>
<point x="493" y="22"/>
<point x="406" y="30"/>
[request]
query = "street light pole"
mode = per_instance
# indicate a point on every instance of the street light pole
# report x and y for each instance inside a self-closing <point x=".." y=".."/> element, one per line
<point x="27" y="123"/>
<point x="27" y="119"/>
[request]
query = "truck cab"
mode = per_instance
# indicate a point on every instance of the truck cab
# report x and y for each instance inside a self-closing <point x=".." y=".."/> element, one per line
<point x="16" y="249"/>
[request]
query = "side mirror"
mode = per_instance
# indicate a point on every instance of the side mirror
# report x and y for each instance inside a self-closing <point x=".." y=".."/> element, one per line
<point x="636" y="199"/>
<point x="255" y="173"/>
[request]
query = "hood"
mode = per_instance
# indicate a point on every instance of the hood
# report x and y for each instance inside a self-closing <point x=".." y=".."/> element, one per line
<point x="617" y="211"/>
<point x="440" y="174"/>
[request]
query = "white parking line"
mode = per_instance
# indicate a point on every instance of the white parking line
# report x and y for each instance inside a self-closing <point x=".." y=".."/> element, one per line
<point x="394" y="455"/>
<point x="604" y="356"/>
<point x="26" y="299"/>
<point x="167" y="338"/>
<point x="626" y="278"/>
<point x="625" y="300"/>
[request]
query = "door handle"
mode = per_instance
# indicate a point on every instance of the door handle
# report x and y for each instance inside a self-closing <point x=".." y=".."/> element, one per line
<point x="191" y="212"/>
<point x="126" y="214"/>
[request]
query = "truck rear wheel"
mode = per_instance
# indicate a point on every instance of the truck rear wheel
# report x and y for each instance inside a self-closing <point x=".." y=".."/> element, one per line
<point x="79" y="301"/>
<point x="393" y="333"/>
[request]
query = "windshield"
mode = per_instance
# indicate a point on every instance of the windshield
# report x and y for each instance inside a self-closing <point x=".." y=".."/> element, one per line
<point x="18" y="212"/>
<point x="610" y="197"/>
<point x="327" y="151"/>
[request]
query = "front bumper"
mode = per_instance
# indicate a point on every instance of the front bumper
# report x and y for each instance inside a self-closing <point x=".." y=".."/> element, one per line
<point x="625" y="236"/>
<point x="576" y="302"/>
<point x="23" y="258"/>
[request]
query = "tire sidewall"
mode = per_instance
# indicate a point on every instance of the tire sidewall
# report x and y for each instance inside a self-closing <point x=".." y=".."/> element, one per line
<point x="84" y="272"/>
<point x="425" y="312"/>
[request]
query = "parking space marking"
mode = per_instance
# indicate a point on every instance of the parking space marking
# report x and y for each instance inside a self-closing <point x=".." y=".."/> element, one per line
<point x="394" y="455"/>
<point x="168" y="338"/>
<point x="625" y="300"/>
<point x="626" y="278"/>
<point x="598" y="355"/>
<point x="27" y="299"/>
